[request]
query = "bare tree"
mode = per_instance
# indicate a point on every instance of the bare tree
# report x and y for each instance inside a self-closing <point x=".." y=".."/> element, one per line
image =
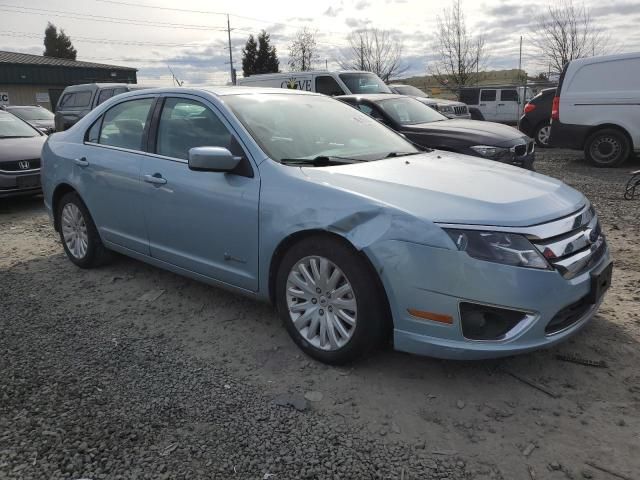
<point x="564" y="32"/>
<point x="460" y="55"/>
<point x="303" y="51"/>
<point x="376" y="51"/>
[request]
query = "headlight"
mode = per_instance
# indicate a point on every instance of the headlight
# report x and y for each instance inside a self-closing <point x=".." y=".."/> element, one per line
<point x="498" y="247"/>
<point x="445" y="108"/>
<point x="490" y="152"/>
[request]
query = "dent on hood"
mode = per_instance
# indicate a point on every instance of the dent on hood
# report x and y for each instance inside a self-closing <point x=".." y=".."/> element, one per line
<point x="377" y="224"/>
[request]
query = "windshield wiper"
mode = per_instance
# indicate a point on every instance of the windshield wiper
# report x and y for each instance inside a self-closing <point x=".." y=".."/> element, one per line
<point x="320" y="161"/>
<point x="401" y="154"/>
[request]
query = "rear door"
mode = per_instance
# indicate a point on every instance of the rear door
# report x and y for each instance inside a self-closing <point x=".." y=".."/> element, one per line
<point x="108" y="168"/>
<point x="489" y="104"/>
<point x="508" y="107"/>
<point x="204" y="222"/>
<point x="72" y="107"/>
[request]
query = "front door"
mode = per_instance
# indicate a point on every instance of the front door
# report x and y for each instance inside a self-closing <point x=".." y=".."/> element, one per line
<point x="488" y="104"/>
<point x="204" y="222"/>
<point x="108" y="166"/>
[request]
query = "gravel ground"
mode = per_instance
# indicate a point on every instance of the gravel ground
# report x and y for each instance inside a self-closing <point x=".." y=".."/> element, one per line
<point x="132" y="372"/>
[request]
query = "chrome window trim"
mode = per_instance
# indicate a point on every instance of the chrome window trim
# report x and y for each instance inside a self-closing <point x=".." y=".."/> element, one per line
<point x="120" y="149"/>
<point x="540" y="231"/>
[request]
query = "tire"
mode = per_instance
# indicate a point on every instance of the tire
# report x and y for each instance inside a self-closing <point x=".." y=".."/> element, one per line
<point x="542" y="135"/>
<point x="607" y="148"/>
<point x="371" y="312"/>
<point x="73" y="217"/>
<point x="476" y="114"/>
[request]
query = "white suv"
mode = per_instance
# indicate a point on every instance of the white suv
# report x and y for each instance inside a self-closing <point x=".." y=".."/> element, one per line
<point x="496" y="104"/>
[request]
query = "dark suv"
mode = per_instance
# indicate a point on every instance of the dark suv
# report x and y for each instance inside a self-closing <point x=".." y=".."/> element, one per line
<point x="78" y="100"/>
<point x="536" y="119"/>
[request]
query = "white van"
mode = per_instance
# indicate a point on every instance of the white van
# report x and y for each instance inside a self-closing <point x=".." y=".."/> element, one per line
<point x="320" y="81"/>
<point x="597" y="108"/>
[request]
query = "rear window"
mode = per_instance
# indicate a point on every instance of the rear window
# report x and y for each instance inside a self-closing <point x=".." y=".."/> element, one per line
<point x="76" y="100"/>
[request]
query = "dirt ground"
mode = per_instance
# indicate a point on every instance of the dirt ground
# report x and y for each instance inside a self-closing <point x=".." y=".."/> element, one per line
<point x="184" y="371"/>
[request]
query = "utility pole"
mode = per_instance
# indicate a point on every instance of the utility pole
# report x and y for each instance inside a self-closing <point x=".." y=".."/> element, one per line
<point x="231" y="69"/>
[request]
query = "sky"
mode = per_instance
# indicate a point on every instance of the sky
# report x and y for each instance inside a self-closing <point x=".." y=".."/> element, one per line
<point x="190" y="36"/>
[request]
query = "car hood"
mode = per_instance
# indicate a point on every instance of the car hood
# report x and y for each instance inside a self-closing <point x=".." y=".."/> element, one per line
<point x="14" y="149"/>
<point x="473" y="132"/>
<point x="452" y="188"/>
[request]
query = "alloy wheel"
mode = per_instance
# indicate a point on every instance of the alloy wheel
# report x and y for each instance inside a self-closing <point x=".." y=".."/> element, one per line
<point x="543" y="135"/>
<point x="74" y="230"/>
<point x="321" y="302"/>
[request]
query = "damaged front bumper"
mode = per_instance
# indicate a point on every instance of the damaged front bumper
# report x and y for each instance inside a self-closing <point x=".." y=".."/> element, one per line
<point x="540" y="307"/>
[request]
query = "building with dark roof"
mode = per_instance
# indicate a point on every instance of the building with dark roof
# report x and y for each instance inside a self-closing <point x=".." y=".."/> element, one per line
<point x="36" y="80"/>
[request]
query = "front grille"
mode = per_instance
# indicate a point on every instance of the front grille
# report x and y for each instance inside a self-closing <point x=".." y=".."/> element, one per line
<point x="577" y="250"/>
<point x="15" y="166"/>
<point x="568" y="316"/>
<point x="461" y="110"/>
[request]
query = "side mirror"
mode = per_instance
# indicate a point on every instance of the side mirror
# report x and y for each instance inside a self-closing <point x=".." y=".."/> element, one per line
<point x="212" y="159"/>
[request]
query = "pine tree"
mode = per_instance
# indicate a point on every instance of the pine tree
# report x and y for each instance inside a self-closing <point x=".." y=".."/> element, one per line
<point x="267" y="59"/>
<point x="58" y="45"/>
<point x="249" y="57"/>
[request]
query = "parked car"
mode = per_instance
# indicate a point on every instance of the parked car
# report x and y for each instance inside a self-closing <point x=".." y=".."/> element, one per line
<point x="349" y="229"/>
<point x="428" y="128"/>
<point x="320" y="81"/>
<point x="449" y="108"/>
<point x="35" y="115"/>
<point x="20" y="147"/>
<point x="596" y="108"/>
<point x="78" y="100"/>
<point x="496" y="104"/>
<point x="536" y="119"/>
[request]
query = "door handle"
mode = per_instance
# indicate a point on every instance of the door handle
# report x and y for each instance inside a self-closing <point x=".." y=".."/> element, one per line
<point x="501" y="104"/>
<point x="155" y="179"/>
<point x="483" y="104"/>
<point x="82" y="162"/>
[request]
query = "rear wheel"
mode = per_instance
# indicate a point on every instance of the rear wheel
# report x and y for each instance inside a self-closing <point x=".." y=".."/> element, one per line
<point x="78" y="233"/>
<point x="328" y="301"/>
<point x="607" y="148"/>
<point x="542" y="135"/>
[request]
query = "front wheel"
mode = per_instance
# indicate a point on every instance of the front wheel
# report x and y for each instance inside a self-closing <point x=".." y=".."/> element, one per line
<point x="542" y="135"/>
<point x="330" y="301"/>
<point x="607" y="148"/>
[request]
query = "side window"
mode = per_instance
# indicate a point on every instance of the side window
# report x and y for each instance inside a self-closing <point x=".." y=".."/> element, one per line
<point x="327" y="85"/>
<point x="119" y="90"/>
<point x="93" y="134"/>
<point x="185" y="124"/>
<point x="67" y="100"/>
<point x="509" y="95"/>
<point x="105" y="95"/>
<point x="470" y="97"/>
<point x="81" y="99"/>
<point x="123" y="124"/>
<point x="488" y="96"/>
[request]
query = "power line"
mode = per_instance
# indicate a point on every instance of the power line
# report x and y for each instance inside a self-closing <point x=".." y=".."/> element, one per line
<point x="102" y="18"/>
<point x="7" y="33"/>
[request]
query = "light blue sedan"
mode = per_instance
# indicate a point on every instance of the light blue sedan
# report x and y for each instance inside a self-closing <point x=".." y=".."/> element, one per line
<point x="357" y="236"/>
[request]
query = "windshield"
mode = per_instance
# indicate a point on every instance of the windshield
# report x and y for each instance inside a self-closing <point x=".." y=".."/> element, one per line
<point x="32" y="113"/>
<point x="12" y="127"/>
<point x="301" y="127"/>
<point x="409" y="111"/>
<point x="364" y="83"/>
<point x="410" y="90"/>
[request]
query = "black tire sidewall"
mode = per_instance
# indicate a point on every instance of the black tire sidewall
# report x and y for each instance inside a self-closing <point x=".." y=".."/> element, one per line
<point x="624" y="154"/>
<point x="94" y="248"/>
<point x="372" y="310"/>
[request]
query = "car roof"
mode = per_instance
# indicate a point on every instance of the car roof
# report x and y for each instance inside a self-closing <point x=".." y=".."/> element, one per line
<point x="220" y="91"/>
<point x="373" y="97"/>
<point x="97" y="86"/>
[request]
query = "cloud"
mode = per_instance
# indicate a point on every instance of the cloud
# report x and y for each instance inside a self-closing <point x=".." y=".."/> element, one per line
<point x="362" y="4"/>
<point x="332" y="12"/>
<point x="356" y="22"/>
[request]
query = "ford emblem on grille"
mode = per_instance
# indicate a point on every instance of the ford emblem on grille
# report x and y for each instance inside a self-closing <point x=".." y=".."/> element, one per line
<point x="24" y="165"/>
